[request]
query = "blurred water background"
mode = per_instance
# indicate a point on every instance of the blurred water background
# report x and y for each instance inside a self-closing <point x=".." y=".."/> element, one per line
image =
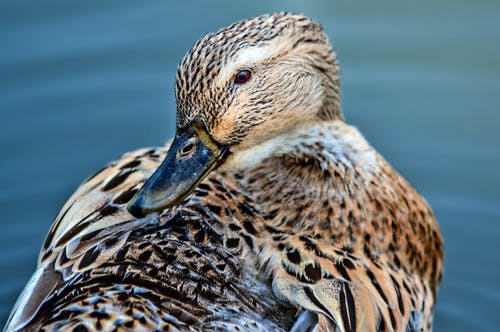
<point x="83" y="82"/>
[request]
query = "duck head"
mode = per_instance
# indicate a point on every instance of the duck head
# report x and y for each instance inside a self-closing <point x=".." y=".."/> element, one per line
<point x="238" y="91"/>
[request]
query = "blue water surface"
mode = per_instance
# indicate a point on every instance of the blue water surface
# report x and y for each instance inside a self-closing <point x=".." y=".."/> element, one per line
<point x="83" y="82"/>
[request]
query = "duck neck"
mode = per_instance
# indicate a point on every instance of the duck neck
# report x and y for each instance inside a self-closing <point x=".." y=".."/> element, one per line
<point x="323" y="166"/>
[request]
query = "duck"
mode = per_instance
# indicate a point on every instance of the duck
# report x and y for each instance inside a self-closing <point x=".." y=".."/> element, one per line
<point x="266" y="212"/>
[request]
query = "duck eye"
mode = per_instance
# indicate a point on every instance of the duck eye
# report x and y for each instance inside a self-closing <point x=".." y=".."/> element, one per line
<point x="242" y="76"/>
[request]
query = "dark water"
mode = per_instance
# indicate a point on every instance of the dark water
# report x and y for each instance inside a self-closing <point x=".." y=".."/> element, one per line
<point x="82" y="82"/>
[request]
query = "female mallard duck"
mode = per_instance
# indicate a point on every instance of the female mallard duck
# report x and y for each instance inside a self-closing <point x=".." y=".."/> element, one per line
<point x="268" y="211"/>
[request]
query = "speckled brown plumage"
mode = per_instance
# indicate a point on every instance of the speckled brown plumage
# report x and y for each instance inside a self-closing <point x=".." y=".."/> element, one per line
<point x="303" y="226"/>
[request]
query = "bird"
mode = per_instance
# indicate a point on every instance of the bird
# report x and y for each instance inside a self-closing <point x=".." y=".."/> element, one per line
<point x="266" y="212"/>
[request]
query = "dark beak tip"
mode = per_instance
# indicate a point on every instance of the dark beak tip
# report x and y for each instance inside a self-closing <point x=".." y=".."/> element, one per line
<point x="135" y="208"/>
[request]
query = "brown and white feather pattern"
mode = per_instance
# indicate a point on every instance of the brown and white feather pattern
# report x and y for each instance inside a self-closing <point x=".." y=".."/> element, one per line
<point x="355" y="241"/>
<point x="103" y="269"/>
<point x="359" y="253"/>
<point x="305" y="227"/>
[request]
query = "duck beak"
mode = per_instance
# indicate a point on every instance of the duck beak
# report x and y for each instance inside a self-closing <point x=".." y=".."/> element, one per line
<point x="192" y="156"/>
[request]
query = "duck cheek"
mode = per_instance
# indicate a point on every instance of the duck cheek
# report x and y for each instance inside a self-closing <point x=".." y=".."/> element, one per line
<point x="223" y="132"/>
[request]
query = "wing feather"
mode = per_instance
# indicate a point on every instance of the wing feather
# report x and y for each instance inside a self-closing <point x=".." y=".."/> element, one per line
<point x="92" y="223"/>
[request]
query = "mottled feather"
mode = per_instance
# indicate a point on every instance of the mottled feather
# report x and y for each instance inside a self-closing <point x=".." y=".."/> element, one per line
<point x="304" y="227"/>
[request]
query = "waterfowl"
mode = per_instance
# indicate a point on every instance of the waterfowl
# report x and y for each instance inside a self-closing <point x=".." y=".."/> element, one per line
<point x="267" y="211"/>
